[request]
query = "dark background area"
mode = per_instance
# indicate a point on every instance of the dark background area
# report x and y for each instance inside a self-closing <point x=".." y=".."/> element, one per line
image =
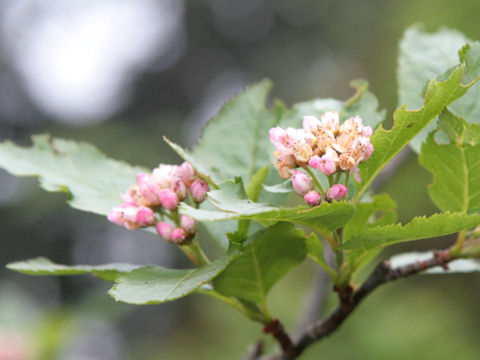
<point x="121" y="74"/>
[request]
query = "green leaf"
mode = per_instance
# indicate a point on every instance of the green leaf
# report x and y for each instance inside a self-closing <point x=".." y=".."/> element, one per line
<point x="315" y="251"/>
<point x="43" y="266"/>
<point x="408" y="123"/>
<point x="234" y="205"/>
<point x="424" y="56"/>
<point x="268" y="256"/>
<point x="155" y="284"/>
<point x="255" y="185"/>
<point x="381" y="211"/>
<point x="236" y="141"/>
<point x="362" y="103"/>
<point x="92" y="181"/>
<point x="455" y="166"/>
<point x="455" y="266"/>
<point x="285" y="187"/>
<point x="419" y="228"/>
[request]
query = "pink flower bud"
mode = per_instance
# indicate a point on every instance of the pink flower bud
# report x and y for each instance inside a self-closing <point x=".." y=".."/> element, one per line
<point x="312" y="198"/>
<point x="188" y="224"/>
<point x="314" y="161"/>
<point x="186" y="172"/>
<point x="277" y="137"/>
<point x="336" y="192"/>
<point x="168" y="199"/>
<point x="179" y="235"/>
<point x="180" y="189"/>
<point x="327" y="166"/>
<point x="165" y="230"/>
<point x="145" y="216"/>
<point x="310" y="123"/>
<point x="301" y="182"/>
<point x="143" y="178"/>
<point x="198" y="190"/>
<point x="115" y="215"/>
<point x="367" y="131"/>
<point x="356" y="174"/>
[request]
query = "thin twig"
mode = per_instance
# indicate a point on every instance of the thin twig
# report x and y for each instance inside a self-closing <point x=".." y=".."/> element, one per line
<point x="381" y="275"/>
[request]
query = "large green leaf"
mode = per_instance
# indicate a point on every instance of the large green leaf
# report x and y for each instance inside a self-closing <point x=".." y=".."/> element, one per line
<point x="233" y="203"/>
<point x="424" y="56"/>
<point x="267" y="257"/>
<point x="155" y="284"/>
<point x="92" y="181"/>
<point x="362" y="103"/>
<point x="236" y="141"/>
<point x="408" y="123"/>
<point x="455" y="166"/>
<point x="43" y="266"/>
<point x="419" y="228"/>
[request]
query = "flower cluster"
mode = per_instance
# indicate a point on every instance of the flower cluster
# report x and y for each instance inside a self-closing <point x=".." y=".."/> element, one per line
<point x="324" y="145"/>
<point x="161" y="192"/>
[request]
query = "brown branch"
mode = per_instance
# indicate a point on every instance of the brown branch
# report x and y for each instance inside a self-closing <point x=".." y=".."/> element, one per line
<point x="381" y="275"/>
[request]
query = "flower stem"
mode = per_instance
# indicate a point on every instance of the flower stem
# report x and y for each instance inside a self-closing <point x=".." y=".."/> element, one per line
<point x="457" y="247"/>
<point x="195" y="253"/>
<point x="315" y="181"/>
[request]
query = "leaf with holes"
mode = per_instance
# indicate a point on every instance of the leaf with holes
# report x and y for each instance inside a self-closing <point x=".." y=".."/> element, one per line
<point x="409" y="123"/>
<point x="455" y="166"/>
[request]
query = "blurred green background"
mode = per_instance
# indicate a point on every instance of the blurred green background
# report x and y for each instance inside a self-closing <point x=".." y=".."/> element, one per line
<point x="121" y="74"/>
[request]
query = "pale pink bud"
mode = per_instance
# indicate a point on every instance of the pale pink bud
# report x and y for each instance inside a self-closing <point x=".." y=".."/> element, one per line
<point x="165" y="230"/>
<point x="336" y="192"/>
<point x="301" y="182"/>
<point x="115" y="215"/>
<point x="368" y="151"/>
<point x="367" y="131"/>
<point x="145" y="216"/>
<point x="327" y="166"/>
<point x="162" y="175"/>
<point x="277" y="137"/>
<point x="168" y="199"/>
<point x="331" y="121"/>
<point x="188" y="224"/>
<point x="180" y="189"/>
<point x="198" y="190"/>
<point x="142" y="178"/>
<point x="314" y="161"/>
<point x="312" y="198"/>
<point x="186" y="172"/>
<point x="179" y="235"/>
<point x="310" y="123"/>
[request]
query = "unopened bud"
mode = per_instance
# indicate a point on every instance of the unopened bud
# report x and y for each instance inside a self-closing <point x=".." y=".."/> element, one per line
<point x="188" y="224"/>
<point x="168" y="199"/>
<point x="368" y="151"/>
<point x="165" y="230"/>
<point x="179" y="235"/>
<point x="198" y="190"/>
<point x="186" y="172"/>
<point x="367" y="131"/>
<point x="277" y="137"/>
<point x="336" y="192"/>
<point x="301" y="182"/>
<point x="145" y="216"/>
<point x="310" y="123"/>
<point x="312" y="198"/>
